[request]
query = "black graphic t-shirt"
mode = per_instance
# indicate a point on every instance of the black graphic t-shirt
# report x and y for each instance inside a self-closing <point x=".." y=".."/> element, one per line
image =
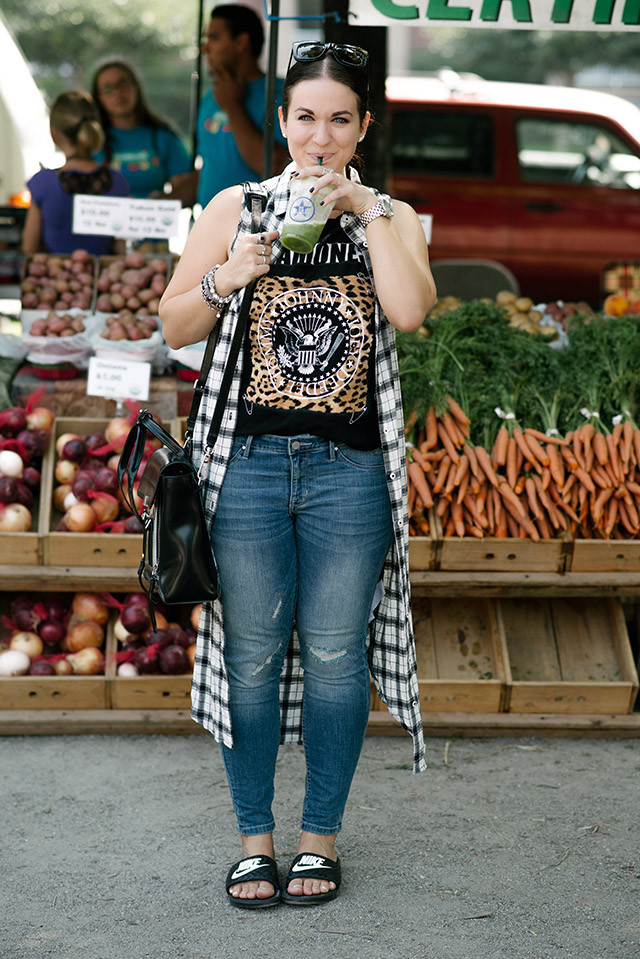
<point x="309" y="351"/>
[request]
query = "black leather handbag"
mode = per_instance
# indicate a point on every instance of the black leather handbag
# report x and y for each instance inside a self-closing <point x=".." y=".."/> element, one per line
<point x="178" y="565"/>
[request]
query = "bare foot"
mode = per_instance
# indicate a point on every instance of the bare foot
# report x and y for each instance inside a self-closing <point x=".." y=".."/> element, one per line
<point x="314" y="845"/>
<point x="261" y="845"/>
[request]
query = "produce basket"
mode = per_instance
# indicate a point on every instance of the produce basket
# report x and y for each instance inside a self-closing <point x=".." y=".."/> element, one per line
<point x="459" y="656"/>
<point x="154" y="691"/>
<point x="50" y="692"/>
<point x="80" y="549"/>
<point x="567" y="656"/>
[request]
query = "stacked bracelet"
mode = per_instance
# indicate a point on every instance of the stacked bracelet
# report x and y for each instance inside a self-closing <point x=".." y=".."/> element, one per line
<point x="209" y="293"/>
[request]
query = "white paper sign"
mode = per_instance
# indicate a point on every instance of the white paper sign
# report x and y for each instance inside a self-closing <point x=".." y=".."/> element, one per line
<point x="125" y="217"/>
<point x="619" y="15"/>
<point x="118" y="379"/>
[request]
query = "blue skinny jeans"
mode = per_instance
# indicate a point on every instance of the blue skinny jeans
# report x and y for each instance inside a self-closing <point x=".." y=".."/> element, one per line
<point x="301" y="532"/>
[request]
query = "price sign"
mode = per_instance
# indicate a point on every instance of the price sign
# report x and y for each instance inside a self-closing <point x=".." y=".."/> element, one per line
<point x="125" y="217"/>
<point x="118" y="379"/>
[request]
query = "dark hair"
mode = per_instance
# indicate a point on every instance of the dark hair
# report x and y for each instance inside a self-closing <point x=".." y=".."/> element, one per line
<point x="145" y="115"/>
<point x="241" y="19"/>
<point x="353" y="77"/>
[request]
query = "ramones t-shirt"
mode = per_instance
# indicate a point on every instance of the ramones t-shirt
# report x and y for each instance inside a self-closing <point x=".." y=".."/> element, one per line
<point x="309" y="351"/>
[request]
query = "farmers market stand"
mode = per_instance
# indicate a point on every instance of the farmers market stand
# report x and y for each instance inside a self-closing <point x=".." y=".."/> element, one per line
<point x="458" y="600"/>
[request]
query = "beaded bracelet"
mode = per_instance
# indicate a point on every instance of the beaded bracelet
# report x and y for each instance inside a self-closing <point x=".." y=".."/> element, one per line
<point x="209" y="293"/>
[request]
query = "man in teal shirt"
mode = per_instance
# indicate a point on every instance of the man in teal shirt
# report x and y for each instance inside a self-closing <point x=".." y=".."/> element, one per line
<point x="231" y="116"/>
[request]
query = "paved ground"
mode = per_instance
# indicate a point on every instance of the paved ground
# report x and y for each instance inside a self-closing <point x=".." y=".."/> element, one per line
<point x="115" y="847"/>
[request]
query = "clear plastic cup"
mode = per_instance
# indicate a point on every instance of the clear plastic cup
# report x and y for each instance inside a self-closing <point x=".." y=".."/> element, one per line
<point x="305" y="218"/>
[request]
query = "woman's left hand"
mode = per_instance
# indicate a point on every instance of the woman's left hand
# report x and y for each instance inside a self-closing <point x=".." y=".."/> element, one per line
<point x="346" y="194"/>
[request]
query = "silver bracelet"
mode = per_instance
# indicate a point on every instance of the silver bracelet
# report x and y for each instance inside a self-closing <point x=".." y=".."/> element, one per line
<point x="209" y="293"/>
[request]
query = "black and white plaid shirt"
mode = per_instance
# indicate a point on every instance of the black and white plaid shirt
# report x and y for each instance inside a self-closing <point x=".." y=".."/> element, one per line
<point x="392" y="656"/>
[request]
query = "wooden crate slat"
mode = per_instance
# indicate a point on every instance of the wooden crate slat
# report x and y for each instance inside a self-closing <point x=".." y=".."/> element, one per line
<point x="530" y="640"/>
<point x="583" y="639"/>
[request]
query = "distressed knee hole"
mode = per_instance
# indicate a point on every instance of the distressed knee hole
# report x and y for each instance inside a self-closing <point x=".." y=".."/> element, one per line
<point x="265" y="663"/>
<point x="327" y="655"/>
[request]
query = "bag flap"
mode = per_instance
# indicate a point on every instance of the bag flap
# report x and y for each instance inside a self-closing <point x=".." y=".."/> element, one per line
<point x="148" y="484"/>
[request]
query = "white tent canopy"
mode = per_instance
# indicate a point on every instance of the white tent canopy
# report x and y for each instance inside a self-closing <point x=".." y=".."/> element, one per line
<point x="25" y="143"/>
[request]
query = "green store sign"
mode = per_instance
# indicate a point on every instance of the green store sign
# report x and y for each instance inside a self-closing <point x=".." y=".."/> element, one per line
<point x="504" y="14"/>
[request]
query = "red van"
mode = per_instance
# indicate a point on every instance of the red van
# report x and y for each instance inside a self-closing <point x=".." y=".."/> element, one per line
<point x="544" y="179"/>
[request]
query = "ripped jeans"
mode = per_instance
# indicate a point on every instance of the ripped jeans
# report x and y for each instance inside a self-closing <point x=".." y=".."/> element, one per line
<point x="301" y="532"/>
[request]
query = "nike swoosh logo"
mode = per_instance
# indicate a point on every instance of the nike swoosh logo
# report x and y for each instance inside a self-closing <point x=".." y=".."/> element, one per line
<point x="300" y="868"/>
<point x="245" y="867"/>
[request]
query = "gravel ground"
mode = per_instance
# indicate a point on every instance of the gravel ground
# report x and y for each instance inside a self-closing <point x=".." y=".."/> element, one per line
<point x="116" y="847"/>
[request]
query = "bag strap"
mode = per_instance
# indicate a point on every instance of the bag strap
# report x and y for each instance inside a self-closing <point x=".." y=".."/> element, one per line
<point x="133" y="452"/>
<point x="255" y="196"/>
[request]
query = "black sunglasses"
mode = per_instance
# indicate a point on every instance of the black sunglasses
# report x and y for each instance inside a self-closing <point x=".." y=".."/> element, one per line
<point x="344" y="53"/>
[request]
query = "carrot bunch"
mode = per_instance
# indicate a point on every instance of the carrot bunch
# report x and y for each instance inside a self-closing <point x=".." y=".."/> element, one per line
<point x="530" y="485"/>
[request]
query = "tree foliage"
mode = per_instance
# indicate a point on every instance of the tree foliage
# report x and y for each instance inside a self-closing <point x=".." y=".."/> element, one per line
<point x="63" y="41"/>
<point x="527" y="55"/>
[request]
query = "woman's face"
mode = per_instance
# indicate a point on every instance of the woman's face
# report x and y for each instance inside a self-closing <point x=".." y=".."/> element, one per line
<point x="323" y="122"/>
<point x="117" y="93"/>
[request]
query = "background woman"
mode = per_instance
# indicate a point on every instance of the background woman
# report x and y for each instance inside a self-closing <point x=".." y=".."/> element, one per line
<point x="76" y="131"/>
<point x="307" y="479"/>
<point x="141" y="144"/>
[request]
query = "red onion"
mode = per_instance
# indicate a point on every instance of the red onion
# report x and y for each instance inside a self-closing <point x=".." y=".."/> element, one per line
<point x="106" y="480"/>
<point x="180" y="637"/>
<point x="8" y="489"/>
<point x="51" y="632"/>
<point x="42" y="669"/>
<point x="146" y="660"/>
<point x="55" y="608"/>
<point x="24" y="494"/>
<point x="132" y="525"/>
<point x="173" y="659"/>
<point x="158" y="637"/>
<point x="82" y="482"/>
<point x="74" y="450"/>
<point x="31" y="477"/>
<point x="12" y="421"/>
<point x="25" y="619"/>
<point x="95" y="441"/>
<point x="135" y="618"/>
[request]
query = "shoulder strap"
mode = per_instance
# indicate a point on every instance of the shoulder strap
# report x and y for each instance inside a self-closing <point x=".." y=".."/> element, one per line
<point x="255" y="196"/>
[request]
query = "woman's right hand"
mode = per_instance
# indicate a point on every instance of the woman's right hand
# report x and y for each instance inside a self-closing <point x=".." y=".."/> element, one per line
<point x="251" y="259"/>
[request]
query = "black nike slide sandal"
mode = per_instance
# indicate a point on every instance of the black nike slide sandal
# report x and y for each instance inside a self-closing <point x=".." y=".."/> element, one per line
<point x="308" y="866"/>
<point x="252" y="869"/>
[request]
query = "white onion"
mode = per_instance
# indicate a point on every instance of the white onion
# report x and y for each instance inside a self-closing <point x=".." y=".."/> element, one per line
<point x="14" y="662"/>
<point x="128" y="670"/>
<point x="11" y="464"/>
<point x="70" y="500"/>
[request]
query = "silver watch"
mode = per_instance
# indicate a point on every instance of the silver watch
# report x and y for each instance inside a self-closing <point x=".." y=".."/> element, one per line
<point x="382" y="207"/>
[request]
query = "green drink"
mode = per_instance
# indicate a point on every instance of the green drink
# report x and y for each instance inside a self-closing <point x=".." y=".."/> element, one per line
<point x="305" y="218"/>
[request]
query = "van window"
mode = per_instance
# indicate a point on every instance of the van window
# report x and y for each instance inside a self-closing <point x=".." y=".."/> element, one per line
<point x="442" y="142"/>
<point x="556" y="151"/>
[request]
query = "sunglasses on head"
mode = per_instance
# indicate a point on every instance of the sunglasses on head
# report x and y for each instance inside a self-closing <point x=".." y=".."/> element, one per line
<point x="344" y="53"/>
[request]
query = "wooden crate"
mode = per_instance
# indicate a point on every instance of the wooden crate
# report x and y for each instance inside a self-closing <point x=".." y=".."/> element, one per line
<point x="567" y="656"/>
<point x="144" y="692"/>
<point x="25" y="549"/>
<point x="459" y="656"/>
<point x="80" y="549"/>
<point x="605" y="555"/>
<point x="50" y="692"/>
<point x="456" y="553"/>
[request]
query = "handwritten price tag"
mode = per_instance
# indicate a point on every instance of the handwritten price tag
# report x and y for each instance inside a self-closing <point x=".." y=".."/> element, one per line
<point x="118" y="379"/>
<point x="125" y="217"/>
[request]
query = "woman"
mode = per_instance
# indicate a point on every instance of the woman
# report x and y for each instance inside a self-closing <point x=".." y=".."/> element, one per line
<point x="76" y="131"/>
<point x="142" y="145"/>
<point x="307" y="481"/>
